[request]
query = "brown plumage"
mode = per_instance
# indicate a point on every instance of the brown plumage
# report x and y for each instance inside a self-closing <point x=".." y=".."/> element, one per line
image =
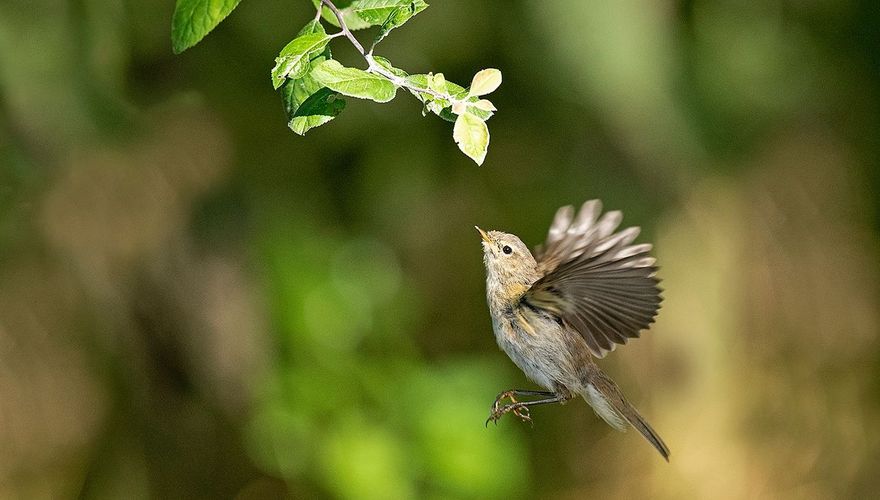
<point x="585" y="290"/>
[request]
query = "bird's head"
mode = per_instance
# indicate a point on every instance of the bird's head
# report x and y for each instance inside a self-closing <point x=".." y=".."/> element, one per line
<point x="509" y="263"/>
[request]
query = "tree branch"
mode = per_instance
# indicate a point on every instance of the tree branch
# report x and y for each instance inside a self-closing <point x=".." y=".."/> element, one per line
<point x="377" y="68"/>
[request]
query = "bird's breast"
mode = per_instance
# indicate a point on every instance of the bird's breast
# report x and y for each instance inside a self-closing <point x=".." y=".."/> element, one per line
<point x="520" y="340"/>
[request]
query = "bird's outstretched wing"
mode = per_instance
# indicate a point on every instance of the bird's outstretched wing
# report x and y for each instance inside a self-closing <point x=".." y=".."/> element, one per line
<point x="594" y="279"/>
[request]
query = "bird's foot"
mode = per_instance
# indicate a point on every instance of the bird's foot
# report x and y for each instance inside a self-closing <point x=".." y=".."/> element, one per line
<point x="518" y="408"/>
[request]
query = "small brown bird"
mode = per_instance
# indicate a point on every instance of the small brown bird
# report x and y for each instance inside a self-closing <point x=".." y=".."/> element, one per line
<point x="584" y="291"/>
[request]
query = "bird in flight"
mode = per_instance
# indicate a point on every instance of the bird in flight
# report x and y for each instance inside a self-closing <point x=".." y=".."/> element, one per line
<point x="585" y="291"/>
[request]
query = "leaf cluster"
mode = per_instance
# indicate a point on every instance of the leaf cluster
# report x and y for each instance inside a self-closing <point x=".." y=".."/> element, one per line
<point x="314" y="86"/>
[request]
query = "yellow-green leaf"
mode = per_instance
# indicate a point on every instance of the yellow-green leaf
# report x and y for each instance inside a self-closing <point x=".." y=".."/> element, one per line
<point x="485" y="82"/>
<point x="472" y="136"/>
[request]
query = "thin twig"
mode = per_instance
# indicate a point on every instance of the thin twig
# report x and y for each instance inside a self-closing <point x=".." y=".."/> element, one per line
<point x="354" y="41"/>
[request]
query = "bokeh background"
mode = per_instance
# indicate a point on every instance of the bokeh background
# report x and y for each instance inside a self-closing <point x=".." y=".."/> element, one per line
<point x="197" y="303"/>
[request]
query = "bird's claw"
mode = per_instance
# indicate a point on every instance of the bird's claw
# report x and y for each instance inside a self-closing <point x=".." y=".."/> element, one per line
<point x="496" y="411"/>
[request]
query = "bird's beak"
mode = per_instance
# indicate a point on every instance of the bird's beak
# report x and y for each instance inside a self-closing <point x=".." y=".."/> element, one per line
<point x="484" y="235"/>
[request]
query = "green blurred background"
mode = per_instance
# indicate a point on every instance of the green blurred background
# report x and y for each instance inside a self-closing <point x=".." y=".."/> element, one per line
<point x="197" y="303"/>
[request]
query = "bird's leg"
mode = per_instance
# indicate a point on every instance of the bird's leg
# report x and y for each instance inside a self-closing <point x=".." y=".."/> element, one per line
<point x="521" y="408"/>
<point x="512" y="393"/>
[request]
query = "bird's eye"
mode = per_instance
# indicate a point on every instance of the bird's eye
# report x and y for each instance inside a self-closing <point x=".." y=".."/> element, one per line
<point x="506" y="249"/>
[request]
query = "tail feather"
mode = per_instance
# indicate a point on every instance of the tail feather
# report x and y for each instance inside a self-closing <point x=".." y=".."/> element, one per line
<point x="609" y="404"/>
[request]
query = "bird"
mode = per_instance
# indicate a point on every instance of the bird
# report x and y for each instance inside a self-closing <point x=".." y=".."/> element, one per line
<point x="585" y="290"/>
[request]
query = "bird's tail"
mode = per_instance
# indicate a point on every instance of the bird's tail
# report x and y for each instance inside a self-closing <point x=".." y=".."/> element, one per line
<point x="609" y="404"/>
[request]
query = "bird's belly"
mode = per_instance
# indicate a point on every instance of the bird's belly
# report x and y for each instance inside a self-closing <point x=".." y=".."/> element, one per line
<point x="533" y="355"/>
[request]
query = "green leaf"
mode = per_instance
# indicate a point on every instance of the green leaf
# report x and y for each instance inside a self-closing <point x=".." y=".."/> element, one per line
<point x="472" y="136"/>
<point x="293" y="61"/>
<point x="312" y="26"/>
<point x="193" y="19"/>
<point x="407" y="12"/>
<point x="376" y="12"/>
<point x="385" y="63"/>
<point x="456" y="90"/>
<point x="315" y="26"/>
<point x="425" y="82"/>
<point x="346" y="8"/>
<point x="389" y="14"/>
<point x="479" y="113"/>
<point x="481" y="108"/>
<point x="437" y="83"/>
<point x="436" y="105"/>
<point x="354" y="82"/>
<point x="397" y="17"/>
<point x="441" y="107"/>
<point x="308" y="103"/>
<point x="418" y="80"/>
<point x="307" y="108"/>
<point x="447" y="114"/>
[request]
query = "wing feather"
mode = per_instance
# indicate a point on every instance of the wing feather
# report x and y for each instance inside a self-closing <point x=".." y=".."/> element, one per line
<point x="595" y="280"/>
